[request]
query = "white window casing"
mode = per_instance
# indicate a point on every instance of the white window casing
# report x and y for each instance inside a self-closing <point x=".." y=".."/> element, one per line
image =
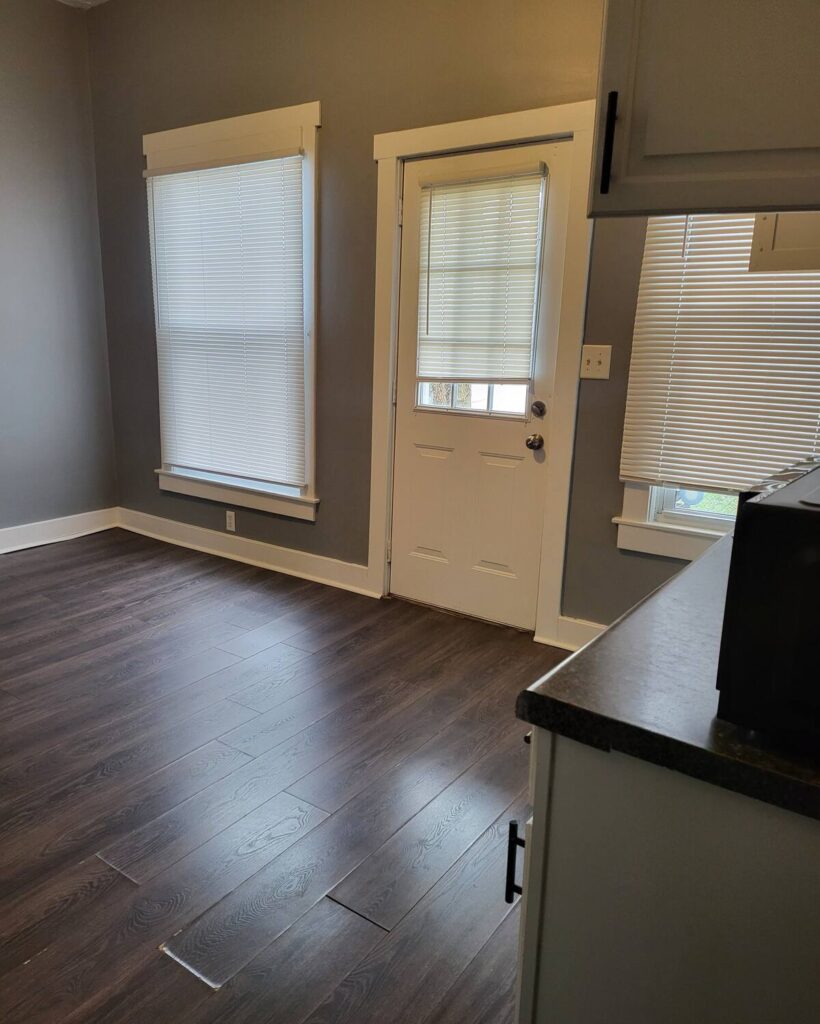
<point x="232" y="219"/>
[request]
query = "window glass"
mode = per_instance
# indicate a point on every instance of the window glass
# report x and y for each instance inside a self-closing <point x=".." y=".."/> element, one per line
<point x="706" y="503"/>
<point x="479" y="270"/>
<point x="510" y="398"/>
<point x="227" y="255"/>
<point x="500" y="399"/>
<point x="704" y="509"/>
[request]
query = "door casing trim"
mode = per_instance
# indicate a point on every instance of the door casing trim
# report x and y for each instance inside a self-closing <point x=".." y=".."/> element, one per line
<point x="573" y="122"/>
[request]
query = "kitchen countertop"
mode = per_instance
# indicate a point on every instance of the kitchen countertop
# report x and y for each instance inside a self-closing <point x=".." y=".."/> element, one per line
<point x="646" y="687"/>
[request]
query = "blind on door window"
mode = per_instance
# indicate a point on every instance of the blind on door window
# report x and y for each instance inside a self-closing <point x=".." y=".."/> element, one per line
<point x="724" y="385"/>
<point x="226" y="245"/>
<point x="479" y="264"/>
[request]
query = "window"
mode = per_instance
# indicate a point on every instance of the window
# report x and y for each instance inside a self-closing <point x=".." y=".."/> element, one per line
<point x="701" y="509"/>
<point x="724" y="385"/>
<point x="232" y="257"/>
<point x="498" y="399"/>
<point x="479" y="272"/>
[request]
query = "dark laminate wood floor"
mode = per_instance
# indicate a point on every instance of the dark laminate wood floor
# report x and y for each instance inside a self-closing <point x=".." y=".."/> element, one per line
<point x="229" y="795"/>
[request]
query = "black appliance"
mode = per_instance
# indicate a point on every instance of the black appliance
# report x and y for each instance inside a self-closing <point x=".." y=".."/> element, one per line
<point x="769" y="666"/>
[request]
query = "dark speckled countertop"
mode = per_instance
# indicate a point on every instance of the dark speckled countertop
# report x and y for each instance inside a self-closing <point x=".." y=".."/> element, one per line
<point x="646" y="687"/>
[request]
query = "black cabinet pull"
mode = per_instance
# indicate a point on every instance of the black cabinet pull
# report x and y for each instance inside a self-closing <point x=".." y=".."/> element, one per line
<point x="513" y="842"/>
<point x="609" y="141"/>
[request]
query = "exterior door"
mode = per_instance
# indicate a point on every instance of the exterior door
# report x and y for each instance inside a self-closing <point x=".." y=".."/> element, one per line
<point x="483" y="242"/>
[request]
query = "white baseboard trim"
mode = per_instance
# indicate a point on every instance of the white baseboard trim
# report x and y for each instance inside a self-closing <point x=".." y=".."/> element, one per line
<point x="572" y="633"/>
<point x="319" y="568"/>
<point x="32" y="535"/>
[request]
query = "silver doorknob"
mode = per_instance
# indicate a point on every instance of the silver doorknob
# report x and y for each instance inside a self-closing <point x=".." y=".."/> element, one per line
<point x="534" y="442"/>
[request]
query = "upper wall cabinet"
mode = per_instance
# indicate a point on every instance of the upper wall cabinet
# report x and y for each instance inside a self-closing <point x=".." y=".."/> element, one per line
<point x="708" y="105"/>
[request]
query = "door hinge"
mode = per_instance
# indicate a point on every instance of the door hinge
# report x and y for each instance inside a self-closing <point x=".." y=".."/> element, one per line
<point x="394" y="392"/>
<point x="401" y="210"/>
<point x="389" y="551"/>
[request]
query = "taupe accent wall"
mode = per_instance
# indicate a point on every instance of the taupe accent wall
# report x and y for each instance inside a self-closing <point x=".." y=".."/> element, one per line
<point x="56" y="441"/>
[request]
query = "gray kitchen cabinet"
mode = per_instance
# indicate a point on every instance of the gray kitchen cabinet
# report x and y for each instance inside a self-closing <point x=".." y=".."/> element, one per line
<point x="653" y="898"/>
<point x="671" y="867"/>
<point x="708" y="105"/>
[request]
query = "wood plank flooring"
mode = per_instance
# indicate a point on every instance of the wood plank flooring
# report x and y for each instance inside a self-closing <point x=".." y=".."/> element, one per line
<point x="228" y="795"/>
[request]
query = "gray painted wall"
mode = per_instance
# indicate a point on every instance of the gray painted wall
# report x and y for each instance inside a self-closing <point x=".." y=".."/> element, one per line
<point x="56" y="442"/>
<point x="601" y="581"/>
<point x="375" y="66"/>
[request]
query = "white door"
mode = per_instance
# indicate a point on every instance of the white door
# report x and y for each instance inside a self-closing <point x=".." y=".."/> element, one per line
<point x="483" y="243"/>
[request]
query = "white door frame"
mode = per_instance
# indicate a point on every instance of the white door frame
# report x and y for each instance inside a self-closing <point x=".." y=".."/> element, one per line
<point x="575" y="123"/>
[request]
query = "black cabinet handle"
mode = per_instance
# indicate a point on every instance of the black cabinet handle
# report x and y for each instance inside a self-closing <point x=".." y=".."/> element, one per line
<point x="609" y="141"/>
<point x="513" y="842"/>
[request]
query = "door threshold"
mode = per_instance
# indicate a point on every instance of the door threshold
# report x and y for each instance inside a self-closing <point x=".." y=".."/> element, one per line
<point x="460" y="615"/>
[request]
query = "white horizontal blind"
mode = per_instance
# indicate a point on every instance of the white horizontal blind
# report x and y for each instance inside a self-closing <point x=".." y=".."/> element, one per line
<point x="724" y="385"/>
<point x="478" y="279"/>
<point x="226" y="245"/>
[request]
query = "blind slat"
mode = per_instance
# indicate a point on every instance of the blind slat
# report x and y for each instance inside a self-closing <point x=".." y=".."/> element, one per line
<point x="478" y="278"/>
<point x="724" y="384"/>
<point x="226" y="246"/>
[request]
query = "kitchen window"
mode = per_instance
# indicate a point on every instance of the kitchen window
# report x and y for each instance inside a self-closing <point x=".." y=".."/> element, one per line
<point x="232" y="224"/>
<point x="724" y="385"/>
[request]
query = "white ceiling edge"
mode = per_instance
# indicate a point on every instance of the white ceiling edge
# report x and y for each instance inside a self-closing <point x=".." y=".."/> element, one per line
<point x="83" y="3"/>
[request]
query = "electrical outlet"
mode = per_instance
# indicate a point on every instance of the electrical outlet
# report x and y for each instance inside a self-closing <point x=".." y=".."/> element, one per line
<point x="230" y="520"/>
<point x="595" y="360"/>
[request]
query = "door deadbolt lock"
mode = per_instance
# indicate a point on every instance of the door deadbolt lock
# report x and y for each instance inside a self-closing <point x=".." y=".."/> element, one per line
<point x="539" y="408"/>
<point x="534" y="442"/>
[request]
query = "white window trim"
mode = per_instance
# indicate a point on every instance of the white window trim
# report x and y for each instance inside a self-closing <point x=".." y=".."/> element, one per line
<point x="263" y="135"/>
<point x="639" y="530"/>
<point x="276" y="498"/>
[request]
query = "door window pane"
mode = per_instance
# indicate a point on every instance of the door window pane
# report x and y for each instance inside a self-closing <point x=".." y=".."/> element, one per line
<point x="479" y="269"/>
<point x="436" y="395"/>
<point x="510" y="398"/>
<point x="489" y="399"/>
<point x="472" y="397"/>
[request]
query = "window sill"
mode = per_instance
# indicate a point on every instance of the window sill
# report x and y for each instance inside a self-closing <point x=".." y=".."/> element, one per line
<point x="663" y="539"/>
<point x="283" y="501"/>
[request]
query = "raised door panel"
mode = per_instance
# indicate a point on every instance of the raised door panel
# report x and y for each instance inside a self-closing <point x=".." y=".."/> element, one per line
<point x="716" y="106"/>
<point x="503" y="544"/>
<point x="429" y="532"/>
<point x="499" y="493"/>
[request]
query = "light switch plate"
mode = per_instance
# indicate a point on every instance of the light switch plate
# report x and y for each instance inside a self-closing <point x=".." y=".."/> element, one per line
<point x="595" y="360"/>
